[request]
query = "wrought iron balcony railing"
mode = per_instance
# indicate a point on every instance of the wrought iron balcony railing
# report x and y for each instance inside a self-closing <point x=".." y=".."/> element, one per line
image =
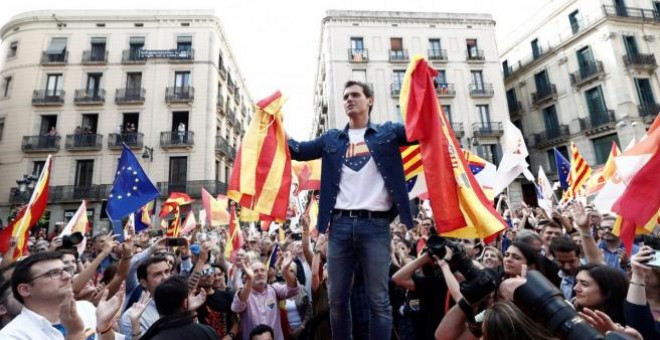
<point x="82" y="141"/>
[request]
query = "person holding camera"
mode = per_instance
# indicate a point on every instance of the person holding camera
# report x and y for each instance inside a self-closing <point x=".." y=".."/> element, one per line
<point x="644" y="285"/>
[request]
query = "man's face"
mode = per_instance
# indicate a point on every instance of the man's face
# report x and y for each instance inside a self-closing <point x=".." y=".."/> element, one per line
<point x="41" y="247"/>
<point x="69" y="262"/>
<point x="549" y="233"/>
<point x="50" y="282"/>
<point x="606" y="227"/>
<point x="469" y="247"/>
<point x="356" y="104"/>
<point x="568" y="262"/>
<point x="156" y="273"/>
<point x="98" y="243"/>
<point x="260" y="275"/>
<point x="10" y="309"/>
<point x="296" y="248"/>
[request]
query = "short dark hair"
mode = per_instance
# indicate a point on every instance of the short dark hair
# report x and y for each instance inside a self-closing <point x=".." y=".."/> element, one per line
<point x="142" y="269"/>
<point x="552" y="224"/>
<point x="365" y="88"/>
<point x="67" y="251"/>
<point x="613" y="287"/>
<point x="261" y="329"/>
<point x="22" y="272"/>
<point x="565" y="245"/>
<point x="170" y="294"/>
<point x="531" y="256"/>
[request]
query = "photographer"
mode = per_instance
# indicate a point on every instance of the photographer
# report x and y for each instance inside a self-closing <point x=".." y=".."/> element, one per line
<point x="636" y="307"/>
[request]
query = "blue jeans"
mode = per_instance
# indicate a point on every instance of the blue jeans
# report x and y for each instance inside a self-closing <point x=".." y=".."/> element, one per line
<point x="365" y="242"/>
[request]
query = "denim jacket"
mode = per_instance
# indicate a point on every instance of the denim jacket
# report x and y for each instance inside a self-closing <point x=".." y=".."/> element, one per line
<point x="383" y="141"/>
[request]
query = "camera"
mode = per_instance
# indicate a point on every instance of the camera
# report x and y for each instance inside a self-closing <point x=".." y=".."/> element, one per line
<point x="435" y="246"/>
<point x="72" y="240"/>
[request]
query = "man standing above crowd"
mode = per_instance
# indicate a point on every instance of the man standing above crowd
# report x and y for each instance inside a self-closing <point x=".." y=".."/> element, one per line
<point x="362" y="189"/>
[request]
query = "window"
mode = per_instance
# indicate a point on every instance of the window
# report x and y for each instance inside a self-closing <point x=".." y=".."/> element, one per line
<point x="596" y="105"/>
<point x="447" y="110"/>
<point x="47" y="122"/>
<point x="221" y="62"/>
<point x="397" y="78"/>
<point x="359" y="75"/>
<point x="93" y="84"/>
<point x="551" y="121"/>
<point x="57" y="46"/>
<point x="563" y="150"/>
<point x="133" y="82"/>
<point x="434" y="45"/>
<point x="536" y="49"/>
<point x="37" y="166"/>
<point x="7" y="86"/>
<point x="472" y="49"/>
<point x="490" y="152"/>
<point x="13" y="49"/>
<point x="505" y="68"/>
<point x="178" y="174"/>
<point x="2" y="127"/>
<point x="484" y="116"/>
<point x="603" y="146"/>
<point x="84" y="173"/>
<point x="357" y="44"/>
<point x="136" y="44"/>
<point x="53" y="83"/>
<point x="586" y="62"/>
<point x="512" y="100"/>
<point x="98" y="49"/>
<point x="182" y="81"/>
<point x="90" y="122"/>
<point x="620" y="7"/>
<point x="630" y="44"/>
<point x="217" y="170"/>
<point x="644" y="92"/>
<point x="542" y="84"/>
<point x="441" y="78"/>
<point x="477" y="80"/>
<point x="184" y="43"/>
<point x="396" y="44"/>
<point x="574" y="20"/>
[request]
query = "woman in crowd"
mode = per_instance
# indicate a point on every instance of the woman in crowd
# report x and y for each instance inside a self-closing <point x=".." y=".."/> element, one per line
<point x="603" y="288"/>
<point x="298" y="311"/>
<point x="641" y="307"/>
<point x="517" y="255"/>
<point x="504" y="321"/>
<point x="492" y="258"/>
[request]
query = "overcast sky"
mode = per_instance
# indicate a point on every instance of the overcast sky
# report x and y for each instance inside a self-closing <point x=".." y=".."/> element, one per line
<point x="276" y="41"/>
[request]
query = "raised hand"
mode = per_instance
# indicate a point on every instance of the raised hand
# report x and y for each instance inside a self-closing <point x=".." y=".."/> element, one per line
<point x="204" y="252"/>
<point x="69" y="316"/>
<point x="248" y="271"/>
<point x="286" y="262"/>
<point x="196" y="301"/>
<point x="136" y="310"/>
<point x="107" y="308"/>
<point x="600" y="321"/>
<point x="580" y="217"/>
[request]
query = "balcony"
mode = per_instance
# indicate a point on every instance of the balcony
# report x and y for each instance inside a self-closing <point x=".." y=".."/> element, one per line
<point x="180" y="95"/>
<point x="65" y="193"/>
<point x="231" y="117"/>
<point x="552" y="136"/>
<point x="133" y="140"/>
<point x="475" y="56"/>
<point x="484" y="90"/>
<point x="587" y="73"/>
<point x="437" y="55"/>
<point x="84" y="142"/>
<point x="399" y="56"/>
<point x="644" y="62"/>
<point x="221" y="104"/>
<point x="487" y="129"/>
<point x="130" y="96"/>
<point x="48" y="98"/>
<point x="598" y="122"/>
<point x="631" y="13"/>
<point x="223" y="71"/>
<point x="458" y="129"/>
<point x="89" y="97"/>
<point x="94" y="58"/>
<point x="395" y="89"/>
<point x="182" y="56"/>
<point x="175" y="139"/>
<point x="648" y="111"/>
<point x="445" y="90"/>
<point x="40" y="143"/>
<point x="132" y="57"/>
<point x="222" y="146"/>
<point x="358" y="56"/>
<point x="51" y="59"/>
<point x="231" y="88"/>
<point x="515" y="108"/>
<point x="544" y="94"/>
<point x="192" y="188"/>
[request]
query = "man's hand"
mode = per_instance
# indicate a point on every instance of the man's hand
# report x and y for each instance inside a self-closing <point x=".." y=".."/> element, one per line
<point x="581" y="218"/>
<point x="70" y="318"/>
<point x="108" y="246"/>
<point x="127" y="248"/>
<point x="247" y="271"/>
<point x="136" y="310"/>
<point x="286" y="262"/>
<point x="108" y="308"/>
<point x="204" y="252"/>
<point x="196" y="301"/>
<point x="55" y="243"/>
<point x="304" y="222"/>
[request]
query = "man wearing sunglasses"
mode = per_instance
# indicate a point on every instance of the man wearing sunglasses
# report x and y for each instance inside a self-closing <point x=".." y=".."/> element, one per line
<point x="42" y="283"/>
<point x="216" y="310"/>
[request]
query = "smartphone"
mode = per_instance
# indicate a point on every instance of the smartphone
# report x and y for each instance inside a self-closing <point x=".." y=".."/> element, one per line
<point x="296" y="236"/>
<point x="175" y="242"/>
<point x="655" y="261"/>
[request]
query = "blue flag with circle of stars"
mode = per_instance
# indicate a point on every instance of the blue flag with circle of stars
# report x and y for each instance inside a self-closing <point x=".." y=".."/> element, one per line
<point x="132" y="188"/>
<point x="563" y="168"/>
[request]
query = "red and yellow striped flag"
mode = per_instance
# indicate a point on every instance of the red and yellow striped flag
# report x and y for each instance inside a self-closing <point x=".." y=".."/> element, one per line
<point x="601" y="176"/>
<point x="579" y="175"/>
<point x="460" y="207"/>
<point x="308" y="173"/>
<point x="216" y="209"/>
<point x="234" y="235"/>
<point x="33" y="210"/>
<point x="261" y="179"/>
<point x="174" y="228"/>
<point x="176" y="199"/>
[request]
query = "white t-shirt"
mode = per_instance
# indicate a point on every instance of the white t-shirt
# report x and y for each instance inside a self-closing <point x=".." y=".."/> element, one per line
<point x="361" y="186"/>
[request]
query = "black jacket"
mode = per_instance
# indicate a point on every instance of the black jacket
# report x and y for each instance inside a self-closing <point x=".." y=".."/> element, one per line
<point x="180" y="326"/>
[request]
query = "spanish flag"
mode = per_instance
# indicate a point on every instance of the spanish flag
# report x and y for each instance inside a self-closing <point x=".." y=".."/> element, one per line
<point x="261" y="178"/>
<point x="459" y="205"/>
<point x="216" y="209"/>
<point x="600" y="177"/>
<point x="79" y="223"/>
<point x="308" y="173"/>
<point x="176" y="199"/>
<point x="234" y="235"/>
<point x="579" y="175"/>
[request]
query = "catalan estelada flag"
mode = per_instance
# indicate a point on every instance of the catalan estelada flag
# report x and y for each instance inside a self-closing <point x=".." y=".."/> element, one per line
<point x="234" y="235"/>
<point x="174" y="228"/>
<point x="460" y="207"/>
<point x="176" y="199"/>
<point x="30" y="215"/>
<point x="261" y="178"/>
<point x="579" y="175"/>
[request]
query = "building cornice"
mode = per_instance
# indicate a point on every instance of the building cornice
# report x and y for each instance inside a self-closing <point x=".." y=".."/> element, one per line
<point x="384" y="17"/>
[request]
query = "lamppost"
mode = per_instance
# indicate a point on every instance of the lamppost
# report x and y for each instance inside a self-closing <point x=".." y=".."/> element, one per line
<point x="25" y="188"/>
<point x="148" y="154"/>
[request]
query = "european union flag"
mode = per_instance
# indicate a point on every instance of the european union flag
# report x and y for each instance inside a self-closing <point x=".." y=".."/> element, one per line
<point x="563" y="168"/>
<point x="132" y="188"/>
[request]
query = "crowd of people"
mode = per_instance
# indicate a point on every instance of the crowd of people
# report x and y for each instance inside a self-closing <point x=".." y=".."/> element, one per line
<point x="371" y="268"/>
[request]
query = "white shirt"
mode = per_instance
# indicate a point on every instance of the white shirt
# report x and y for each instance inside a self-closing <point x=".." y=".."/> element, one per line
<point x="30" y="325"/>
<point x="361" y="186"/>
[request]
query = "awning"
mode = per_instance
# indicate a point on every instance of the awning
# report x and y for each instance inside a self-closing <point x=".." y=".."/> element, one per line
<point x="136" y="40"/>
<point x="184" y="39"/>
<point x="98" y="40"/>
<point x="57" y="46"/>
